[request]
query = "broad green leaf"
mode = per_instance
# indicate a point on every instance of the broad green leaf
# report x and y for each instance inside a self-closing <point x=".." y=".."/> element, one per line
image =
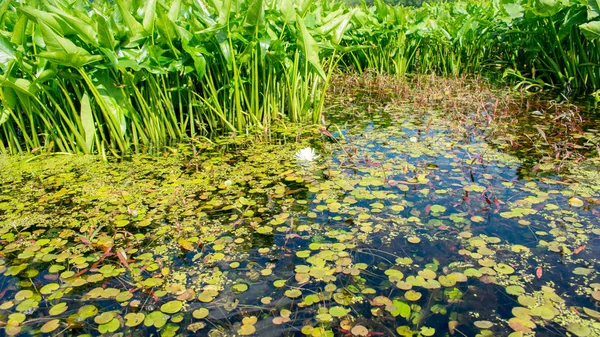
<point x="105" y="36"/>
<point x="171" y="307"/>
<point x="591" y="30"/>
<point x="113" y="99"/>
<point x="224" y="12"/>
<point x="68" y="59"/>
<point x="199" y="60"/>
<point x="7" y="54"/>
<point x="135" y="30"/>
<point x="82" y="29"/>
<point x="174" y="10"/>
<point x="514" y="10"/>
<point x="401" y="309"/>
<point x="64" y="52"/>
<point x="287" y="10"/>
<point x="52" y="20"/>
<point x="593" y="9"/>
<point x="309" y="46"/>
<point x="255" y="15"/>
<point x="149" y="16"/>
<point x="19" y="35"/>
<point x="335" y="27"/>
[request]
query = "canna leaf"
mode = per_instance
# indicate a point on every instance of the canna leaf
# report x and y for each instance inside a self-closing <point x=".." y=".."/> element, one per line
<point x="149" y="16"/>
<point x="591" y="30"/>
<point x="309" y="46"/>
<point x="255" y="16"/>
<point x="7" y="54"/>
<point x="135" y="31"/>
<point x="199" y="60"/>
<point x="174" y="10"/>
<point x="105" y="36"/>
<point x="514" y="10"/>
<point x="288" y="12"/>
<point x="593" y="9"/>
<point x="62" y="51"/>
<point x="83" y="30"/>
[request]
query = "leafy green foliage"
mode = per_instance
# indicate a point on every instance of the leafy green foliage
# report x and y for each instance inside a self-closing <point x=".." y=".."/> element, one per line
<point x="117" y="77"/>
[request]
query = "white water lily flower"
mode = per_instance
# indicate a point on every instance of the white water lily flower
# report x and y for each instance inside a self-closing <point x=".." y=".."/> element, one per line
<point x="306" y="154"/>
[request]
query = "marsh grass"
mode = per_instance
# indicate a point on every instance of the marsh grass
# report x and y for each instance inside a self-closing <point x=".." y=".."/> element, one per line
<point x="542" y="128"/>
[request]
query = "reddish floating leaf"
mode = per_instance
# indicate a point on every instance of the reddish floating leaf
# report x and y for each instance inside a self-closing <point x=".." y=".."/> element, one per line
<point x="578" y="249"/>
<point x="539" y="272"/>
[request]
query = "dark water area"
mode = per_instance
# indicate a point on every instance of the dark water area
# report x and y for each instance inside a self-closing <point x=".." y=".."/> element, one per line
<point x="404" y="225"/>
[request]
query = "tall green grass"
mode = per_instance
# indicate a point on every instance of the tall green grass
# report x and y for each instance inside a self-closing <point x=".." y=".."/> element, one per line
<point x="120" y="76"/>
<point x="536" y="43"/>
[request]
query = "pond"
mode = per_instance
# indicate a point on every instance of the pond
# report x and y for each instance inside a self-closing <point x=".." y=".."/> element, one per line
<point x="411" y="224"/>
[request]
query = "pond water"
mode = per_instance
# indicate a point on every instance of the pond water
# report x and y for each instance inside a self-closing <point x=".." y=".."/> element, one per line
<point x="412" y="224"/>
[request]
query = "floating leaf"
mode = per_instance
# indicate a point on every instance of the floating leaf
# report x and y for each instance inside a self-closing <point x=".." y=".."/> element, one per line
<point x="156" y="318"/>
<point x="515" y="290"/>
<point x="293" y="293"/>
<point x="359" y="330"/>
<point x="200" y="313"/>
<point x="483" y="324"/>
<point x="171" y="307"/>
<point x="50" y="326"/>
<point x="111" y="326"/>
<point x="427" y="331"/>
<point x="134" y="319"/>
<point x="338" y="311"/>
<point x="413" y="239"/>
<point x="239" y="288"/>
<point x="49" y="288"/>
<point x="575" y="202"/>
<point x="412" y="295"/>
<point x="579" y="330"/>
<point x="104" y="317"/>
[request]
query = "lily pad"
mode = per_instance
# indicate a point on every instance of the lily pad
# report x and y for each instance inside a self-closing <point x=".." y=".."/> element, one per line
<point x="171" y="307"/>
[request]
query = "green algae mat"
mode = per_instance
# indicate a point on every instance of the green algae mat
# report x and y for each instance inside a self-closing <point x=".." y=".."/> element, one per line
<point x="418" y="226"/>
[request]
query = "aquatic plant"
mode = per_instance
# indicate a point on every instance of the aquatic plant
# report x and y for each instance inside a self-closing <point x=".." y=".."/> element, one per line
<point x="449" y="234"/>
<point x="115" y="77"/>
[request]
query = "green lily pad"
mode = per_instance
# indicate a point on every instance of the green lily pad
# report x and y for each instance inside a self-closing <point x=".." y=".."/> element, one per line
<point x="111" y="326"/>
<point x="412" y="295"/>
<point x="293" y="293"/>
<point x="579" y="330"/>
<point x="200" y="313"/>
<point x="338" y="311"/>
<point x="50" y="326"/>
<point x="156" y="318"/>
<point x="133" y="319"/>
<point x="247" y="330"/>
<point x="427" y="331"/>
<point x="171" y="307"/>
<point x="49" y="288"/>
<point x="239" y="288"/>
<point x="104" y="317"/>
